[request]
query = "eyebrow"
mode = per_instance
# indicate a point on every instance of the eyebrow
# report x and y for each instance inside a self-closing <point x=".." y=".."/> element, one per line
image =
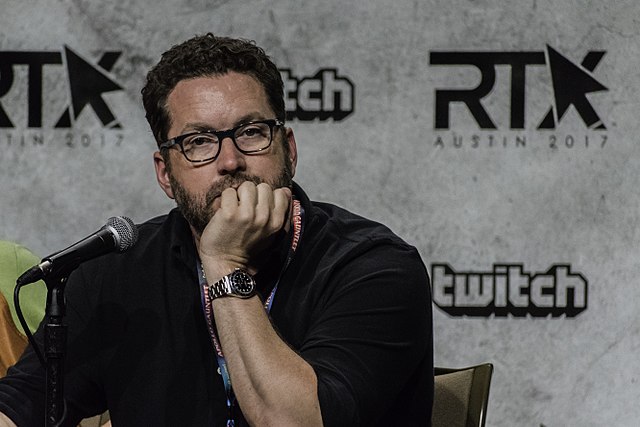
<point x="202" y="127"/>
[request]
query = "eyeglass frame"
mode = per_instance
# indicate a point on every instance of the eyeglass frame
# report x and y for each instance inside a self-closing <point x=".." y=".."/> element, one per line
<point x="221" y="135"/>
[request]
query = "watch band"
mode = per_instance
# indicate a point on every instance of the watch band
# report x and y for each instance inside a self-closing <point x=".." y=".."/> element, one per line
<point x="220" y="288"/>
<point x="238" y="283"/>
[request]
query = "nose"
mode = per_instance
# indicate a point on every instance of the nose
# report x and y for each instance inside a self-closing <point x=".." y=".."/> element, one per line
<point x="229" y="160"/>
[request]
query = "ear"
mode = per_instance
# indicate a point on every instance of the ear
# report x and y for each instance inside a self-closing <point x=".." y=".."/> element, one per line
<point x="293" y="149"/>
<point x="162" y="174"/>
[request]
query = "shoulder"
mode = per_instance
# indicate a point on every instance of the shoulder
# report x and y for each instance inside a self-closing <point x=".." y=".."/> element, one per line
<point x="165" y="231"/>
<point x="15" y="255"/>
<point x="339" y="243"/>
<point x="133" y="276"/>
<point x="14" y="260"/>
<point x="159" y="238"/>
<point x="342" y="227"/>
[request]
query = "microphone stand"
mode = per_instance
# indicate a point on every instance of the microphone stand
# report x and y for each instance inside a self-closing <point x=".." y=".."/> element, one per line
<point x="55" y="341"/>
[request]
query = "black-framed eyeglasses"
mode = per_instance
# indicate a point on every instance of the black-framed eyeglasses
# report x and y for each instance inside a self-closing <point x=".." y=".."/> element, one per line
<point x="203" y="146"/>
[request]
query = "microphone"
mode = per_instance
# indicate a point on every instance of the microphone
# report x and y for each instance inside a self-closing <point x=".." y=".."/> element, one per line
<point x="117" y="235"/>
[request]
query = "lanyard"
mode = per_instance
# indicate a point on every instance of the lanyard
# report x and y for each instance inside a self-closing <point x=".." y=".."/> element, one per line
<point x="298" y="215"/>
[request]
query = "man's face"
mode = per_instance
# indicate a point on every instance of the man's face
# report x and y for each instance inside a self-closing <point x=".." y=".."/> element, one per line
<point x="219" y="103"/>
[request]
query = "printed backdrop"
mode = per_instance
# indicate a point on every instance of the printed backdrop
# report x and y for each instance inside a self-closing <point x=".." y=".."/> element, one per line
<point x="500" y="138"/>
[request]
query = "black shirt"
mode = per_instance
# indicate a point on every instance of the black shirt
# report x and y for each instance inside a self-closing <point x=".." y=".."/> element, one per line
<point x="354" y="303"/>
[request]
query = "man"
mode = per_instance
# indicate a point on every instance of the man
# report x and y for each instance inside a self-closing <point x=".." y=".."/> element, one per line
<point x="249" y="304"/>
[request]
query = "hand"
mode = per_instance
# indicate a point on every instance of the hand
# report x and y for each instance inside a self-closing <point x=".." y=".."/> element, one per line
<point x="243" y="226"/>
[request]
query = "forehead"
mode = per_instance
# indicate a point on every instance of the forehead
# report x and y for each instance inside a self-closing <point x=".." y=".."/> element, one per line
<point x="218" y="101"/>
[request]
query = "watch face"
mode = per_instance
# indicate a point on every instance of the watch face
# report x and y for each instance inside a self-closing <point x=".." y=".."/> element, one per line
<point x="242" y="283"/>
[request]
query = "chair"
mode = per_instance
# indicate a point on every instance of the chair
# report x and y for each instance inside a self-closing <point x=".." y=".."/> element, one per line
<point x="461" y="396"/>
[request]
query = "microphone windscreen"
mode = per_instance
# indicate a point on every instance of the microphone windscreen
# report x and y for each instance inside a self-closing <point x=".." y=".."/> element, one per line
<point x="124" y="230"/>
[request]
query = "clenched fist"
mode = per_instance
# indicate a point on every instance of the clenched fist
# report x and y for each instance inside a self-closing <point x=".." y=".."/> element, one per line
<point x="244" y="224"/>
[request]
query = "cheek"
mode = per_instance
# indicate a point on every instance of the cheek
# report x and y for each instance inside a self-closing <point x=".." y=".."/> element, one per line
<point x="194" y="180"/>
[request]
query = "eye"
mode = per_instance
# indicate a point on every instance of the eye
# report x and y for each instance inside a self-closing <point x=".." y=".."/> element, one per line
<point x="198" y="140"/>
<point x="254" y="131"/>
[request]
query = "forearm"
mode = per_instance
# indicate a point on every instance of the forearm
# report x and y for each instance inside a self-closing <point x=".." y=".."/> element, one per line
<point x="6" y="421"/>
<point x="273" y="384"/>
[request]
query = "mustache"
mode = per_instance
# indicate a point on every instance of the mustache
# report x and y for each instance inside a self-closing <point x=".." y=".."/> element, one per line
<point x="227" y="182"/>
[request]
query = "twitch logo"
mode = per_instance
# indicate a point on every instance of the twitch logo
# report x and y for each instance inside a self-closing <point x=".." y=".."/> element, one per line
<point x="509" y="290"/>
<point x="86" y="84"/>
<point x="570" y="85"/>
<point x="323" y="96"/>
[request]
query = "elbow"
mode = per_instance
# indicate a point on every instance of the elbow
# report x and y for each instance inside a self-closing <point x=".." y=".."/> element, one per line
<point x="294" y="405"/>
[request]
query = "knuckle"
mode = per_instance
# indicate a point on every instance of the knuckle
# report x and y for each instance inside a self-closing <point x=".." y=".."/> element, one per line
<point x="262" y="218"/>
<point x="244" y="216"/>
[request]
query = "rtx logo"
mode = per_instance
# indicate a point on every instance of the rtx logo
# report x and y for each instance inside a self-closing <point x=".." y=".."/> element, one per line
<point x="570" y="85"/>
<point x="508" y="290"/>
<point x="322" y="96"/>
<point x="87" y="83"/>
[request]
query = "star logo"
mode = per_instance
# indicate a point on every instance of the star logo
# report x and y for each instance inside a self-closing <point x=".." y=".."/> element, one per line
<point x="571" y="84"/>
<point x="87" y="84"/>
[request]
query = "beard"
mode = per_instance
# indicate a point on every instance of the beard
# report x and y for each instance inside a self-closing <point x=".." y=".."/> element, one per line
<point x="198" y="208"/>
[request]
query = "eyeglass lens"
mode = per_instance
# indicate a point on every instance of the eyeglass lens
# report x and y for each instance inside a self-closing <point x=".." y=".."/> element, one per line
<point x="248" y="138"/>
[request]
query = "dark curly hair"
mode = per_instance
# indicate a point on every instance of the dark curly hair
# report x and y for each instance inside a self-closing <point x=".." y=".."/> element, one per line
<point x="207" y="55"/>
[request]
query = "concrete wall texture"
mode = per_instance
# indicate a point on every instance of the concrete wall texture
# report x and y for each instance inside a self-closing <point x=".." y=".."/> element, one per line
<point x="500" y="138"/>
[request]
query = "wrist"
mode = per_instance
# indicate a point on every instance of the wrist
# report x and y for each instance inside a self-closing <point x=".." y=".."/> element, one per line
<point x="239" y="283"/>
<point x="216" y="267"/>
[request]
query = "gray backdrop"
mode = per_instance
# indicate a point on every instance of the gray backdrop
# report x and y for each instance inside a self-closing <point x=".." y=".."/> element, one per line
<point x="465" y="195"/>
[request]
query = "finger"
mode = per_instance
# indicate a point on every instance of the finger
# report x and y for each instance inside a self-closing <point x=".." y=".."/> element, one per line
<point x="282" y="202"/>
<point x="265" y="195"/>
<point x="247" y="194"/>
<point x="229" y="200"/>
<point x="264" y="204"/>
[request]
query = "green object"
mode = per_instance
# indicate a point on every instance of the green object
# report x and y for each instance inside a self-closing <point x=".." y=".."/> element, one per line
<point x="15" y="260"/>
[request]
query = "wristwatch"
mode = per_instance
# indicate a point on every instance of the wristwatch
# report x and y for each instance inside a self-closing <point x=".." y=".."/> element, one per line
<point x="238" y="283"/>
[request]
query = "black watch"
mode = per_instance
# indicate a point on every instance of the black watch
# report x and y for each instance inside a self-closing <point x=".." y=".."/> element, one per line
<point x="237" y="284"/>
